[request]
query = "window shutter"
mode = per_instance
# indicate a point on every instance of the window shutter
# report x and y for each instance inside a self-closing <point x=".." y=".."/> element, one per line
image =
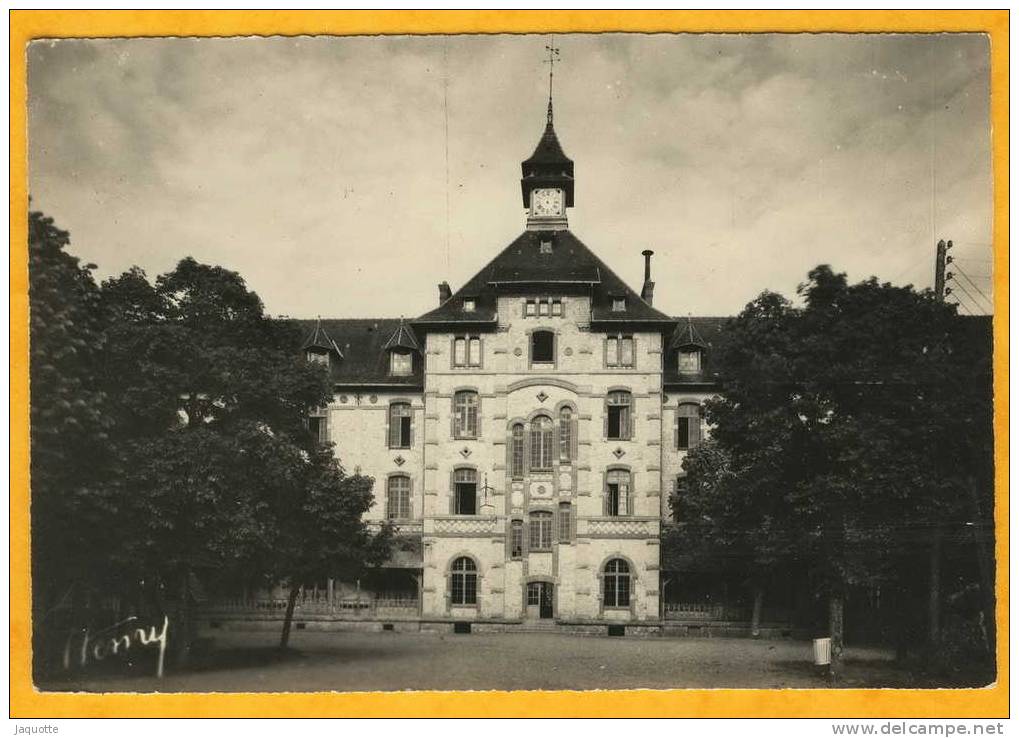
<point x="630" y="412"/>
<point x="389" y="427"/>
<point x="452" y="492"/>
<point x="477" y="417"/>
<point x="509" y="452"/>
<point x="605" y="492"/>
<point x="412" y="426"/>
<point x="452" y="417"/>
<point x="675" y="432"/>
<point x="629" y="497"/>
<point x="605" y="424"/>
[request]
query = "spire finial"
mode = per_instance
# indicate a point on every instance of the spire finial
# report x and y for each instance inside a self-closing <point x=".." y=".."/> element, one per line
<point x="553" y="57"/>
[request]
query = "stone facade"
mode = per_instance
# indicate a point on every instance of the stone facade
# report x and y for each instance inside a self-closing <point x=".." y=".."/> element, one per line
<point x="532" y="450"/>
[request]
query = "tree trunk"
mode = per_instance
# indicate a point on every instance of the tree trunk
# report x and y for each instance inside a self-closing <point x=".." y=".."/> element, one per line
<point x="185" y="635"/>
<point x="288" y="619"/>
<point x="985" y="563"/>
<point x="934" y="590"/>
<point x="755" y="619"/>
<point x="835" y="630"/>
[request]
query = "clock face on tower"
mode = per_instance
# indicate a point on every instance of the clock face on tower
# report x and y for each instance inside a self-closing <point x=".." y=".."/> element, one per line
<point x="546" y="202"/>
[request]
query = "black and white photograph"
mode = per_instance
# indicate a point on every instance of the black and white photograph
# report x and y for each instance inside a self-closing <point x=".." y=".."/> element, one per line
<point x="576" y="361"/>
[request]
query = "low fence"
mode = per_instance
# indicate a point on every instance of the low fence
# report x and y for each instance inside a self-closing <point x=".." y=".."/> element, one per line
<point x="366" y="607"/>
<point x="704" y="611"/>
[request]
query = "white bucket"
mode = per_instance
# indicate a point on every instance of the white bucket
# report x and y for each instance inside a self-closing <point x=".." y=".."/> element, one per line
<point x="822" y="651"/>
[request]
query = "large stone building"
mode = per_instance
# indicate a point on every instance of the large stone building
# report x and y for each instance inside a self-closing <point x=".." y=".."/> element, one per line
<point x="525" y="434"/>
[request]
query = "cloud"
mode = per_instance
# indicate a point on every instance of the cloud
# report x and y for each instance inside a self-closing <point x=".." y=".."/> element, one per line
<point x="347" y="176"/>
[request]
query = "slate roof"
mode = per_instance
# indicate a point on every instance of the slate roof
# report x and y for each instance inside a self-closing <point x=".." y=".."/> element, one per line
<point x="365" y="359"/>
<point x="319" y="338"/>
<point x="548" y="166"/>
<point x="403" y="337"/>
<point x="692" y="331"/>
<point x="571" y="268"/>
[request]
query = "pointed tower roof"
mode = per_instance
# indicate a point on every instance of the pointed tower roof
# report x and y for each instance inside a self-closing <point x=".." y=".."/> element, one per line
<point x="320" y="339"/>
<point x="687" y="335"/>
<point x="402" y="337"/>
<point x="548" y="166"/>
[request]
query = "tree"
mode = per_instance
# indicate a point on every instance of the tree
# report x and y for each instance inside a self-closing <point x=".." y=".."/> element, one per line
<point x="321" y="533"/>
<point x="839" y="423"/>
<point x="214" y="458"/>
<point x="70" y="423"/>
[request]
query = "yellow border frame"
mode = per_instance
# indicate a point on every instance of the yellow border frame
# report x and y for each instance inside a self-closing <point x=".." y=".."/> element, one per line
<point x="25" y="701"/>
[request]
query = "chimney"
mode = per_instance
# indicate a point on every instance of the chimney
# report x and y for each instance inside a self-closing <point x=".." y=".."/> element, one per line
<point x="648" y="290"/>
<point x="445" y="292"/>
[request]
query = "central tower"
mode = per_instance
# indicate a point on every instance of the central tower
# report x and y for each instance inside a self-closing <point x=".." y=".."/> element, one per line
<point x="547" y="182"/>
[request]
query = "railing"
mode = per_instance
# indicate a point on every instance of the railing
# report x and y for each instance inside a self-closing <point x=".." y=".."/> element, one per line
<point x="402" y="526"/>
<point x="393" y="605"/>
<point x="703" y="611"/>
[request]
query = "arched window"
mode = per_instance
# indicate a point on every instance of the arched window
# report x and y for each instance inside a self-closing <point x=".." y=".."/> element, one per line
<point x="566" y="434"/>
<point x="618" y="413"/>
<point x="543" y="347"/>
<point x="517" y="451"/>
<point x="398" y="497"/>
<point x="688" y="426"/>
<point x="463" y="576"/>
<point x="617" y="583"/>
<point x="400" y="419"/>
<point x="465" y="414"/>
<point x="465" y="492"/>
<point x="617" y="492"/>
<point x="540" y="533"/>
<point x="541" y="443"/>
<point x="517" y="539"/>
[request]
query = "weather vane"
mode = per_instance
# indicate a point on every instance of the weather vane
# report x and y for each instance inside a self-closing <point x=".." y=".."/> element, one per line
<point x="553" y="57"/>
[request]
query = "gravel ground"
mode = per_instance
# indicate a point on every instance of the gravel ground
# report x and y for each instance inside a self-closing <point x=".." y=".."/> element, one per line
<point x="249" y="662"/>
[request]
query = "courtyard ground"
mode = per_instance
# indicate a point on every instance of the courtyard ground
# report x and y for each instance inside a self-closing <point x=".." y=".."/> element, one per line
<point x="322" y="661"/>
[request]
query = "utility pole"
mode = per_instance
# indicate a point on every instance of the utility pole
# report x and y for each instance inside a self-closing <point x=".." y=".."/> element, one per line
<point x="940" y="261"/>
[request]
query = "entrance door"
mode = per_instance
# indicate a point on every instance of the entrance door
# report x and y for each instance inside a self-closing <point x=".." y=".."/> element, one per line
<point x="545" y="610"/>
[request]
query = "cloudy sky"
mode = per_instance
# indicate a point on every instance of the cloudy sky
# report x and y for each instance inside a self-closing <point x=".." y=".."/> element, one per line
<point x="345" y="177"/>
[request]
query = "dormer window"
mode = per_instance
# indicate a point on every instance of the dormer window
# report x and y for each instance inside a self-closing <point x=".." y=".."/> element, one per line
<point x="689" y="361"/>
<point x="545" y="246"/>
<point x="618" y="304"/>
<point x="318" y="357"/>
<point x="469" y="305"/>
<point x="401" y="363"/>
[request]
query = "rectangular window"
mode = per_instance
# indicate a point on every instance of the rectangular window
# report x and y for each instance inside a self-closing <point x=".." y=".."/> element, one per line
<point x="557" y="307"/>
<point x="626" y="351"/>
<point x="619" y="351"/>
<point x="618" y="304"/>
<point x="542" y="347"/>
<point x="543" y="307"/>
<point x="565" y="522"/>
<point x="617" y="493"/>
<point x="688" y="426"/>
<point x="530" y="308"/>
<point x="469" y="305"/>
<point x="618" y="410"/>
<point x="517" y="539"/>
<point x="319" y="427"/>
<point x="689" y="362"/>
<point x="534" y="594"/>
<point x="398" y="498"/>
<point x="467" y="351"/>
<point x="400" y="418"/>
<point x="465" y="414"/>
<point x="517" y="451"/>
<point x="401" y="364"/>
<point x="617" y="591"/>
<point x="465" y="492"/>
<point x="540" y="538"/>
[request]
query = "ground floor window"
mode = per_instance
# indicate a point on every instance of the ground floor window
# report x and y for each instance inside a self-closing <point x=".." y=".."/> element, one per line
<point x="617" y="583"/>
<point x="464" y="582"/>
<point x="534" y="593"/>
